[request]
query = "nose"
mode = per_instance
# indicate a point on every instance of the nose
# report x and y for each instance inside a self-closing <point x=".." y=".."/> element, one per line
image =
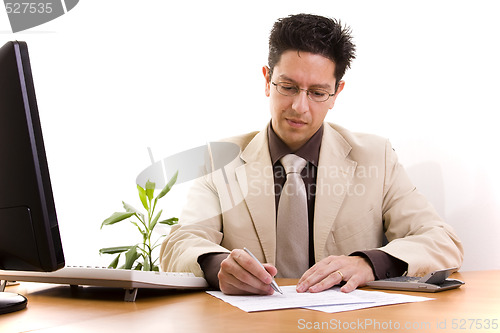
<point x="301" y="102"/>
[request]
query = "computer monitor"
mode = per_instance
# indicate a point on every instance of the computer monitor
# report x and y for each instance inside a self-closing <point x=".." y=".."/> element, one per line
<point x="29" y="232"/>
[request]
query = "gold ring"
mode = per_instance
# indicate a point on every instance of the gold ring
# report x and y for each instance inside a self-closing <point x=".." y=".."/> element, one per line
<point x="341" y="275"/>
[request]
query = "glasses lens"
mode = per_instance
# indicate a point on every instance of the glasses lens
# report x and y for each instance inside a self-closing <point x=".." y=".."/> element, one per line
<point x="318" y="95"/>
<point x="287" y="89"/>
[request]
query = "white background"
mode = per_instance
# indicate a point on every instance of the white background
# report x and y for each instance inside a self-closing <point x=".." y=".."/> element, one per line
<point x="117" y="76"/>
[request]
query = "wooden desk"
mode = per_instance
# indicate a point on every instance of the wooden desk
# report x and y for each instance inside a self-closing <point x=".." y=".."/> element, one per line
<point x="56" y="308"/>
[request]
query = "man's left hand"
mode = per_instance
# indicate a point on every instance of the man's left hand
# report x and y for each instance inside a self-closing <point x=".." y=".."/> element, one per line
<point x="356" y="271"/>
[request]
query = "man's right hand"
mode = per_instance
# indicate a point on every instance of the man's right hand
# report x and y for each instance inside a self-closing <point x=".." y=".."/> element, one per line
<point x="240" y="274"/>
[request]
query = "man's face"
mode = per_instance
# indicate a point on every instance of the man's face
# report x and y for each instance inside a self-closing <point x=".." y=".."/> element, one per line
<point x="296" y="118"/>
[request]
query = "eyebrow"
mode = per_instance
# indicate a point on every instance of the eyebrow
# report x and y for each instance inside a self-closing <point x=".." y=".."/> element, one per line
<point x="323" y="86"/>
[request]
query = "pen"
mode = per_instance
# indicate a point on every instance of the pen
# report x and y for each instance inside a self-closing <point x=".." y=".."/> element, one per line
<point x="274" y="285"/>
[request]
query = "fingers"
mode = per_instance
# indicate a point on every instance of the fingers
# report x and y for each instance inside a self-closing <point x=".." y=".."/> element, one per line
<point x="241" y="274"/>
<point x="356" y="271"/>
<point x="271" y="270"/>
<point x="352" y="284"/>
<point x="329" y="281"/>
<point x="320" y="277"/>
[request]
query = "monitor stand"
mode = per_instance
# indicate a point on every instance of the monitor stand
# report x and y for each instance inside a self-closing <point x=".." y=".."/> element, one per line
<point x="10" y="302"/>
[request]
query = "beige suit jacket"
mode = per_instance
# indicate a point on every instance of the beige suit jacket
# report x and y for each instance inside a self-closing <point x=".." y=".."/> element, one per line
<point x="362" y="193"/>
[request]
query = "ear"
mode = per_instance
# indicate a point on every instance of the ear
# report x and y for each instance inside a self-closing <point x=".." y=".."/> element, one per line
<point x="334" y="97"/>
<point x="266" y="71"/>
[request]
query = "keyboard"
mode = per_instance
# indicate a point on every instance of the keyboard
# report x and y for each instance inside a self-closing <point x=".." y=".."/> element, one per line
<point x="110" y="277"/>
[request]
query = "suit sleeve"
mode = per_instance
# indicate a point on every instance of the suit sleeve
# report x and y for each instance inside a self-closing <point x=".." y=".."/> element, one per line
<point x="199" y="230"/>
<point x="416" y="233"/>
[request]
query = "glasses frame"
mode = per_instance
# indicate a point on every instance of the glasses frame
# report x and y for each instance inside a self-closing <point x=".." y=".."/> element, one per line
<point x="308" y="91"/>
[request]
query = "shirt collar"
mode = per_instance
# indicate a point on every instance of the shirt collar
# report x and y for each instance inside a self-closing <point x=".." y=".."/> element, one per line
<point x="309" y="151"/>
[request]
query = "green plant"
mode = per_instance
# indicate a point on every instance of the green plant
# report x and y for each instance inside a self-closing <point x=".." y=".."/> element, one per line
<point x="142" y="253"/>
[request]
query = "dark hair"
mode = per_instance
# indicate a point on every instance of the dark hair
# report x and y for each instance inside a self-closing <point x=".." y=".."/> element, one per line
<point x="314" y="34"/>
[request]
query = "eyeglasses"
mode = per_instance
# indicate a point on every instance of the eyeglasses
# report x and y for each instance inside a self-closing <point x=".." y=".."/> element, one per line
<point x="314" y="94"/>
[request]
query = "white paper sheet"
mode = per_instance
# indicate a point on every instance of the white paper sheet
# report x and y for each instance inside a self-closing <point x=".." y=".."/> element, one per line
<point x="290" y="299"/>
<point x="377" y="298"/>
<point x="332" y="300"/>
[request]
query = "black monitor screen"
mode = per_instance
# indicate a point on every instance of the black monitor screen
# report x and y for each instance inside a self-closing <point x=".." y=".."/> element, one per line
<point x="29" y="232"/>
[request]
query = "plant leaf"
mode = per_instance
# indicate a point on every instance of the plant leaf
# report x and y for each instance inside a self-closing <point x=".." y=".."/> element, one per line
<point x="170" y="221"/>
<point x="114" y="263"/>
<point x="150" y="189"/>
<point x="116" y="217"/>
<point x="155" y="246"/>
<point x="147" y="267"/>
<point x="142" y="196"/>
<point x="155" y="220"/>
<point x="129" y="208"/>
<point x="168" y="187"/>
<point x="130" y="257"/>
<point x="138" y="227"/>
<point x="132" y="209"/>
<point x="154" y="204"/>
<point x="113" y="250"/>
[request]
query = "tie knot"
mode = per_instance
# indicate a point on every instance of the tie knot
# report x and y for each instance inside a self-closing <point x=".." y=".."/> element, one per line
<point x="293" y="163"/>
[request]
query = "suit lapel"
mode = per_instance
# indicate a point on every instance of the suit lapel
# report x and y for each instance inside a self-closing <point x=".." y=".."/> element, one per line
<point x="256" y="182"/>
<point x="335" y="172"/>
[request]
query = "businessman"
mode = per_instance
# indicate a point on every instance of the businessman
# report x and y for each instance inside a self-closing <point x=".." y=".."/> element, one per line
<point x="310" y="199"/>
